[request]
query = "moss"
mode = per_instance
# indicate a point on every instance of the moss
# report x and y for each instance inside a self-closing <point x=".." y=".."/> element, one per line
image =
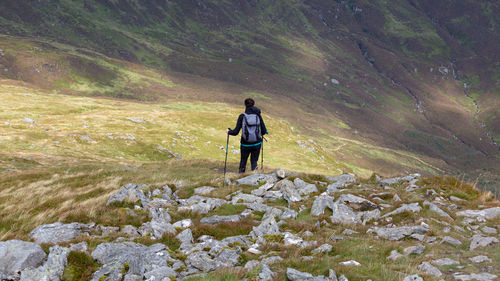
<point x="80" y="267"/>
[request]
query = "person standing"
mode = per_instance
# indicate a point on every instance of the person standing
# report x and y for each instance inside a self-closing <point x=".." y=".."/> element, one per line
<point x="253" y="130"/>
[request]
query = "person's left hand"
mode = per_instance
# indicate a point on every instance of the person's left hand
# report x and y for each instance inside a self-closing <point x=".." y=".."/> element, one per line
<point x="227" y="131"/>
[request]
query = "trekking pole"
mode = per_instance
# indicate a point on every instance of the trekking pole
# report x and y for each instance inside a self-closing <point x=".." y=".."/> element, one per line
<point x="262" y="157"/>
<point x="225" y="161"/>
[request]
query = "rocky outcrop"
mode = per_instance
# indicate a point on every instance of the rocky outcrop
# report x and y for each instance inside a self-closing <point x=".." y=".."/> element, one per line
<point x="16" y="256"/>
<point x="57" y="232"/>
<point x="398" y="233"/>
<point x="129" y="193"/>
<point x="53" y="268"/>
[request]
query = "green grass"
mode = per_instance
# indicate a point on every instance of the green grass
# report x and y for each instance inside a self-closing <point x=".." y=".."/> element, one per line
<point x="80" y="267"/>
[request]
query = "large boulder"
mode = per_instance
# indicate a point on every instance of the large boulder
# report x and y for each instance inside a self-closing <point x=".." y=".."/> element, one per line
<point x="289" y="191"/>
<point x="322" y="202"/>
<point x="482" y="241"/>
<point x="268" y="226"/>
<point x="58" y="232"/>
<point x="490" y="213"/>
<point x="132" y="261"/>
<point x="256" y="179"/>
<point x="411" y="208"/>
<point x="398" y="233"/>
<point x="129" y="193"/>
<point x="200" y="204"/>
<point x="17" y="255"/>
<point x="303" y="187"/>
<point x="52" y="270"/>
<point x="340" y="181"/>
<point x="356" y="202"/>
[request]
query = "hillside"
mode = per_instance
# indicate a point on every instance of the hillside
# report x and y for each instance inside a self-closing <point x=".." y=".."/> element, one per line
<point x="411" y="77"/>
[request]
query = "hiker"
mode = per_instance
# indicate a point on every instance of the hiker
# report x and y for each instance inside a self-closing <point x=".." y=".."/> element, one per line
<point x="253" y="130"/>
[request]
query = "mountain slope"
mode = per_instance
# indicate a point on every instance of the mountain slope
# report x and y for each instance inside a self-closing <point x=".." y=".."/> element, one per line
<point x="389" y="75"/>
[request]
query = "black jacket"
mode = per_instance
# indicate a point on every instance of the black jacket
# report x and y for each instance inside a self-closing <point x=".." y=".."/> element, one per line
<point x="239" y="124"/>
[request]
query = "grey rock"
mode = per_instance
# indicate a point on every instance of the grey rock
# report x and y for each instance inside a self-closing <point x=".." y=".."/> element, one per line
<point x="350" y="263"/>
<point x="218" y="219"/>
<point x="52" y="270"/>
<point x="429" y="269"/>
<point x="289" y="214"/>
<point x="79" y="247"/>
<point x="451" y="241"/>
<point x="482" y="241"/>
<point x="437" y="210"/>
<point x="343" y="278"/>
<point x="395" y="255"/>
<point x="29" y="120"/>
<point x="266" y="274"/>
<point x="340" y="181"/>
<point x="268" y="226"/>
<point x="394" y="180"/>
<point x="344" y="214"/>
<point x="262" y="189"/>
<point x="398" y="233"/>
<point x="204" y="190"/>
<point x="186" y="238"/>
<point x="325" y="248"/>
<point x="397" y="199"/>
<point x="272" y="259"/>
<point x="413" y="277"/>
<point x="444" y="261"/>
<point x="474" y="276"/>
<point x="489" y="214"/>
<point x="414" y="250"/>
<point x="57" y="232"/>
<point x="156" y="229"/>
<point x="356" y="202"/>
<point x="321" y="203"/>
<point x="200" y="204"/>
<point x="248" y="198"/>
<point x="488" y="230"/>
<point x="332" y="275"/>
<point x="413" y="208"/>
<point x="142" y="260"/>
<point x="348" y="232"/>
<point x="256" y="179"/>
<point x="17" y="255"/>
<point x="303" y="187"/>
<point x="281" y="173"/>
<point x="295" y="275"/>
<point x="185" y="223"/>
<point x="130" y="231"/>
<point x="160" y="215"/>
<point x="107" y="230"/>
<point x="456" y="199"/>
<point x="289" y="191"/>
<point x="129" y="193"/>
<point x="251" y="265"/>
<point x="480" y="259"/>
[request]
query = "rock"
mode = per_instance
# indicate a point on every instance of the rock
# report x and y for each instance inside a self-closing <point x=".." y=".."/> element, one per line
<point x="398" y="233"/>
<point x="186" y="238"/>
<point x="130" y="231"/>
<point x="429" y="269"/>
<point x="303" y="187"/>
<point x="289" y="191"/>
<point x="481" y="241"/>
<point x="325" y="248"/>
<point x="160" y="215"/>
<point x="480" y="259"/>
<point x="414" y="250"/>
<point x="390" y="181"/>
<point x="262" y="189"/>
<point x="53" y="268"/>
<point x="436" y="209"/>
<point x="204" y="190"/>
<point x="344" y="214"/>
<point x="129" y="193"/>
<point x="57" y="232"/>
<point x="266" y="227"/>
<point x="445" y="261"/>
<point x="79" y="247"/>
<point x="281" y="174"/>
<point x="456" y="199"/>
<point x="256" y="179"/>
<point x="489" y="214"/>
<point x="451" y="241"/>
<point x="356" y="202"/>
<point x="143" y="262"/>
<point x="413" y="277"/>
<point x="339" y="182"/>
<point x="107" y="230"/>
<point x="488" y="230"/>
<point x="479" y="277"/>
<point x="349" y="232"/>
<point x="218" y="219"/>
<point x="156" y="229"/>
<point x="413" y="208"/>
<point x="350" y="263"/>
<point x="29" y="120"/>
<point x="295" y="275"/>
<point x="334" y="81"/>
<point x="251" y="265"/>
<point x="17" y="255"/>
<point x="272" y="259"/>
<point x="135" y="120"/>
<point x="248" y="198"/>
<point x="266" y="273"/>
<point x="322" y="202"/>
<point x="395" y="255"/>
<point x="200" y="204"/>
<point x="398" y="199"/>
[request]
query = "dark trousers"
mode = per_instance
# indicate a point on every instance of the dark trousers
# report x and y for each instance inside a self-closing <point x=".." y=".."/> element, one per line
<point x="254" y="152"/>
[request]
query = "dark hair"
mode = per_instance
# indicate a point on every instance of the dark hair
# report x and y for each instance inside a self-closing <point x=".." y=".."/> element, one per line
<point x="249" y="102"/>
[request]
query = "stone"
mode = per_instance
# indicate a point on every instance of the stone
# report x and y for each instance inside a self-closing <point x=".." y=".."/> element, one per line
<point x="186" y="238"/>
<point x="395" y="255"/>
<point x="160" y="215"/>
<point x="52" y="269"/>
<point x="281" y="173"/>
<point x="488" y="230"/>
<point x="348" y="232"/>
<point x="350" y="263"/>
<point x="414" y="250"/>
<point x="397" y="199"/>
<point x="482" y="241"/>
<point x="398" y="233"/>
<point x="129" y="193"/>
<point x="437" y="210"/>
<point x="143" y="261"/>
<point x="185" y="223"/>
<point x="199" y="204"/>
<point x="248" y="198"/>
<point x="325" y="248"/>
<point x="491" y="213"/>
<point x="268" y="226"/>
<point x="272" y="259"/>
<point x="303" y="187"/>
<point x="474" y="276"/>
<point x="204" y="190"/>
<point x="322" y="202"/>
<point x="251" y="265"/>
<point x="17" y="255"/>
<point x="262" y="189"/>
<point x="107" y="230"/>
<point x="130" y="231"/>
<point x="451" y="241"/>
<point x="413" y="277"/>
<point x="289" y="214"/>
<point x="444" y="261"/>
<point x="343" y="214"/>
<point x="57" y="232"/>
<point x="219" y="219"/>
<point x="156" y="229"/>
<point x="79" y="247"/>
<point x="295" y="275"/>
<point x="429" y="269"/>
<point x="289" y="191"/>
<point x="356" y="202"/>
<point x="480" y="259"/>
<point x="255" y="179"/>
<point x="340" y="181"/>
<point x="413" y="208"/>
<point x="29" y="120"/>
<point x="266" y="274"/>
<point x="456" y="199"/>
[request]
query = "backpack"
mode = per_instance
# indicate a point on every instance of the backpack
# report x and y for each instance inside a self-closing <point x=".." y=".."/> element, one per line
<point x="251" y="128"/>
